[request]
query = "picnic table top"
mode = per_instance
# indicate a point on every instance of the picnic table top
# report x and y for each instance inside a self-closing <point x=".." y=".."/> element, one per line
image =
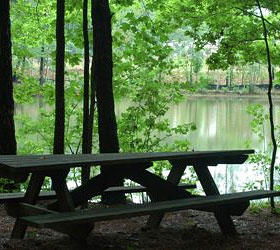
<point x="31" y="163"/>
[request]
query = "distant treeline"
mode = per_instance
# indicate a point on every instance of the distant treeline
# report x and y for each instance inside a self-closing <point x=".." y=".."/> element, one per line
<point x="263" y="86"/>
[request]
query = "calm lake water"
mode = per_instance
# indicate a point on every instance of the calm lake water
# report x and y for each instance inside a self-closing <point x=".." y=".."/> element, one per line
<point x="222" y="123"/>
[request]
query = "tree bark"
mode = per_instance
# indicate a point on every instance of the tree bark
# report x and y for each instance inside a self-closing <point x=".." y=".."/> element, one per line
<point x="271" y="118"/>
<point x="103" y="77"/>
<point x="92" y="106"/>
<point x="7" y="127"/>
<point x="59" y="80"/>
<point x="85" y="140"/>
<point x="8" y="145"/>
<point x="42" y="66"/>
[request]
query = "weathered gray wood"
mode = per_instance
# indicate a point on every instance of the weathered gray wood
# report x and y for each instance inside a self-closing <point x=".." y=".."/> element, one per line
<point x="63" y="195"/>
<point x="129" y="165"/>
<point x="210" y="188"/>
<point x="66" y="203"/>
<point x="38" y="163"/>
<point x="97" y="185"/>
<point x="19" y="197"/>
<point x="140" y="189"/>
<point x="224" y="220"/>
<point x="229" y="159"/>
<point x="50" y="195"/>
<point x="33" y="189"/>
<point x="102" y="214"/>
<point x="176" y="172"/>
<point x="93" y="187"/>
<point x="25" y="209"/>
<point x="158" y="188"/>
<point x="174" y="177"/>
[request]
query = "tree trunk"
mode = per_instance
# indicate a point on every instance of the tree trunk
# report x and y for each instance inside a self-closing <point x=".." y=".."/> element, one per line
<point x="42" y="65"/>
<point x="8" y="145"/>
<point x="92" y="106"/>
<point x="271" y="119"/>
<point x="103" y="77"/>
<point x="85" y="141"/>
<point x="59" y="80"/>
<point x="7" y="127"/>
<point x="231" y="78"/>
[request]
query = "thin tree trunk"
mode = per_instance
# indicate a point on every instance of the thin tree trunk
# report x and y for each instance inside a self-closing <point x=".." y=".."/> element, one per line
<point x="271" y="119"/>
<point x="42" y="65"/>
<point x="59" y="80"/>
<point x="85" y="139"/>
<point x="242" y="77"/>
<point x="231" y="78"/>
<point x="47" y="68"/>
<point x="103" y="77"/>
<point x="92" y="106"/>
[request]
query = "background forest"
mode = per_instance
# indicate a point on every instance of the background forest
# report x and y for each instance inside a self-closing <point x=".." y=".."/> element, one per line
<point x="161" y="51"/>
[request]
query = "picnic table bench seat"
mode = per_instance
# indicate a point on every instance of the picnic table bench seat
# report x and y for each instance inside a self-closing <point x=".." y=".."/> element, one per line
<point x="126" y="211"/>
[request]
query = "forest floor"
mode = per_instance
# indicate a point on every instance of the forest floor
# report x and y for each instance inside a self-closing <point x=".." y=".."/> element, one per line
<point x="180" y="230"/>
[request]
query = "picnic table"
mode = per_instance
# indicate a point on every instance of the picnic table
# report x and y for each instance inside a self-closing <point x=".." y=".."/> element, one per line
<point x="166" y="195"/>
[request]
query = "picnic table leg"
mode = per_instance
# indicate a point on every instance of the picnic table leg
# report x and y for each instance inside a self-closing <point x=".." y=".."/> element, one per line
<point x="95" y="186"/>
<point x="175" y="175"/>
<point x="210" y="188"/>
<point x="32" y="192"/>
<point x="64" y="198"/>
<point x="65" y="202"/>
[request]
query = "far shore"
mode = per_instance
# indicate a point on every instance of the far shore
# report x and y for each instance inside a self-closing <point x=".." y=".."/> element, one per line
<point x="210" y="93"/>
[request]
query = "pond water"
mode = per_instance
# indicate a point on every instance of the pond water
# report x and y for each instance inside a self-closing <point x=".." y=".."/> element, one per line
<point x="222" y="123"/>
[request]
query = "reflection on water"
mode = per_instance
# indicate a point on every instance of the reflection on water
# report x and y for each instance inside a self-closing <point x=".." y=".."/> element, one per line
<point x="222" y="123"/>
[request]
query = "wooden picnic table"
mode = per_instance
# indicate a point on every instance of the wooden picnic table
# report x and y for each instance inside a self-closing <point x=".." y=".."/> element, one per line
<point x="62" y="215"/>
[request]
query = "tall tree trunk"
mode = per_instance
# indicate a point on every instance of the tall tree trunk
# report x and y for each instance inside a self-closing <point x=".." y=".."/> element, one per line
<point x="271" y="119"/>
<point x="228" y="78"/>
<point x="92" y="106"/>
<point x="103" y="77"/>
<point x="242" y="77"/>
<point x="7" y="127"/>
<point x="8" y="145"/>
<point x="85" y="141"/>
<point x="59" y="80"/>
<point x="42" y="65"/>
<point x="231" y="78"/>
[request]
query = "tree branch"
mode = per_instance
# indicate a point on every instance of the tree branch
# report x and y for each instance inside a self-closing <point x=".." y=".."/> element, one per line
<point x="255" y="15"/>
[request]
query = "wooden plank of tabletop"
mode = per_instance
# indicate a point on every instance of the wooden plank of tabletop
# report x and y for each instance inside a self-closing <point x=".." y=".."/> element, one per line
<point x="34" y="163"/>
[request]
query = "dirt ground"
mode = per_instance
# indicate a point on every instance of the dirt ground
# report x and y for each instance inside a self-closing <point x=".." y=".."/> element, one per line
<point x="181" y="230"/>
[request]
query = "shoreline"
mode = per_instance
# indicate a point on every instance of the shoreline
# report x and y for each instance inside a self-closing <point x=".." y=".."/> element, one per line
<point x="230" y="94"/>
